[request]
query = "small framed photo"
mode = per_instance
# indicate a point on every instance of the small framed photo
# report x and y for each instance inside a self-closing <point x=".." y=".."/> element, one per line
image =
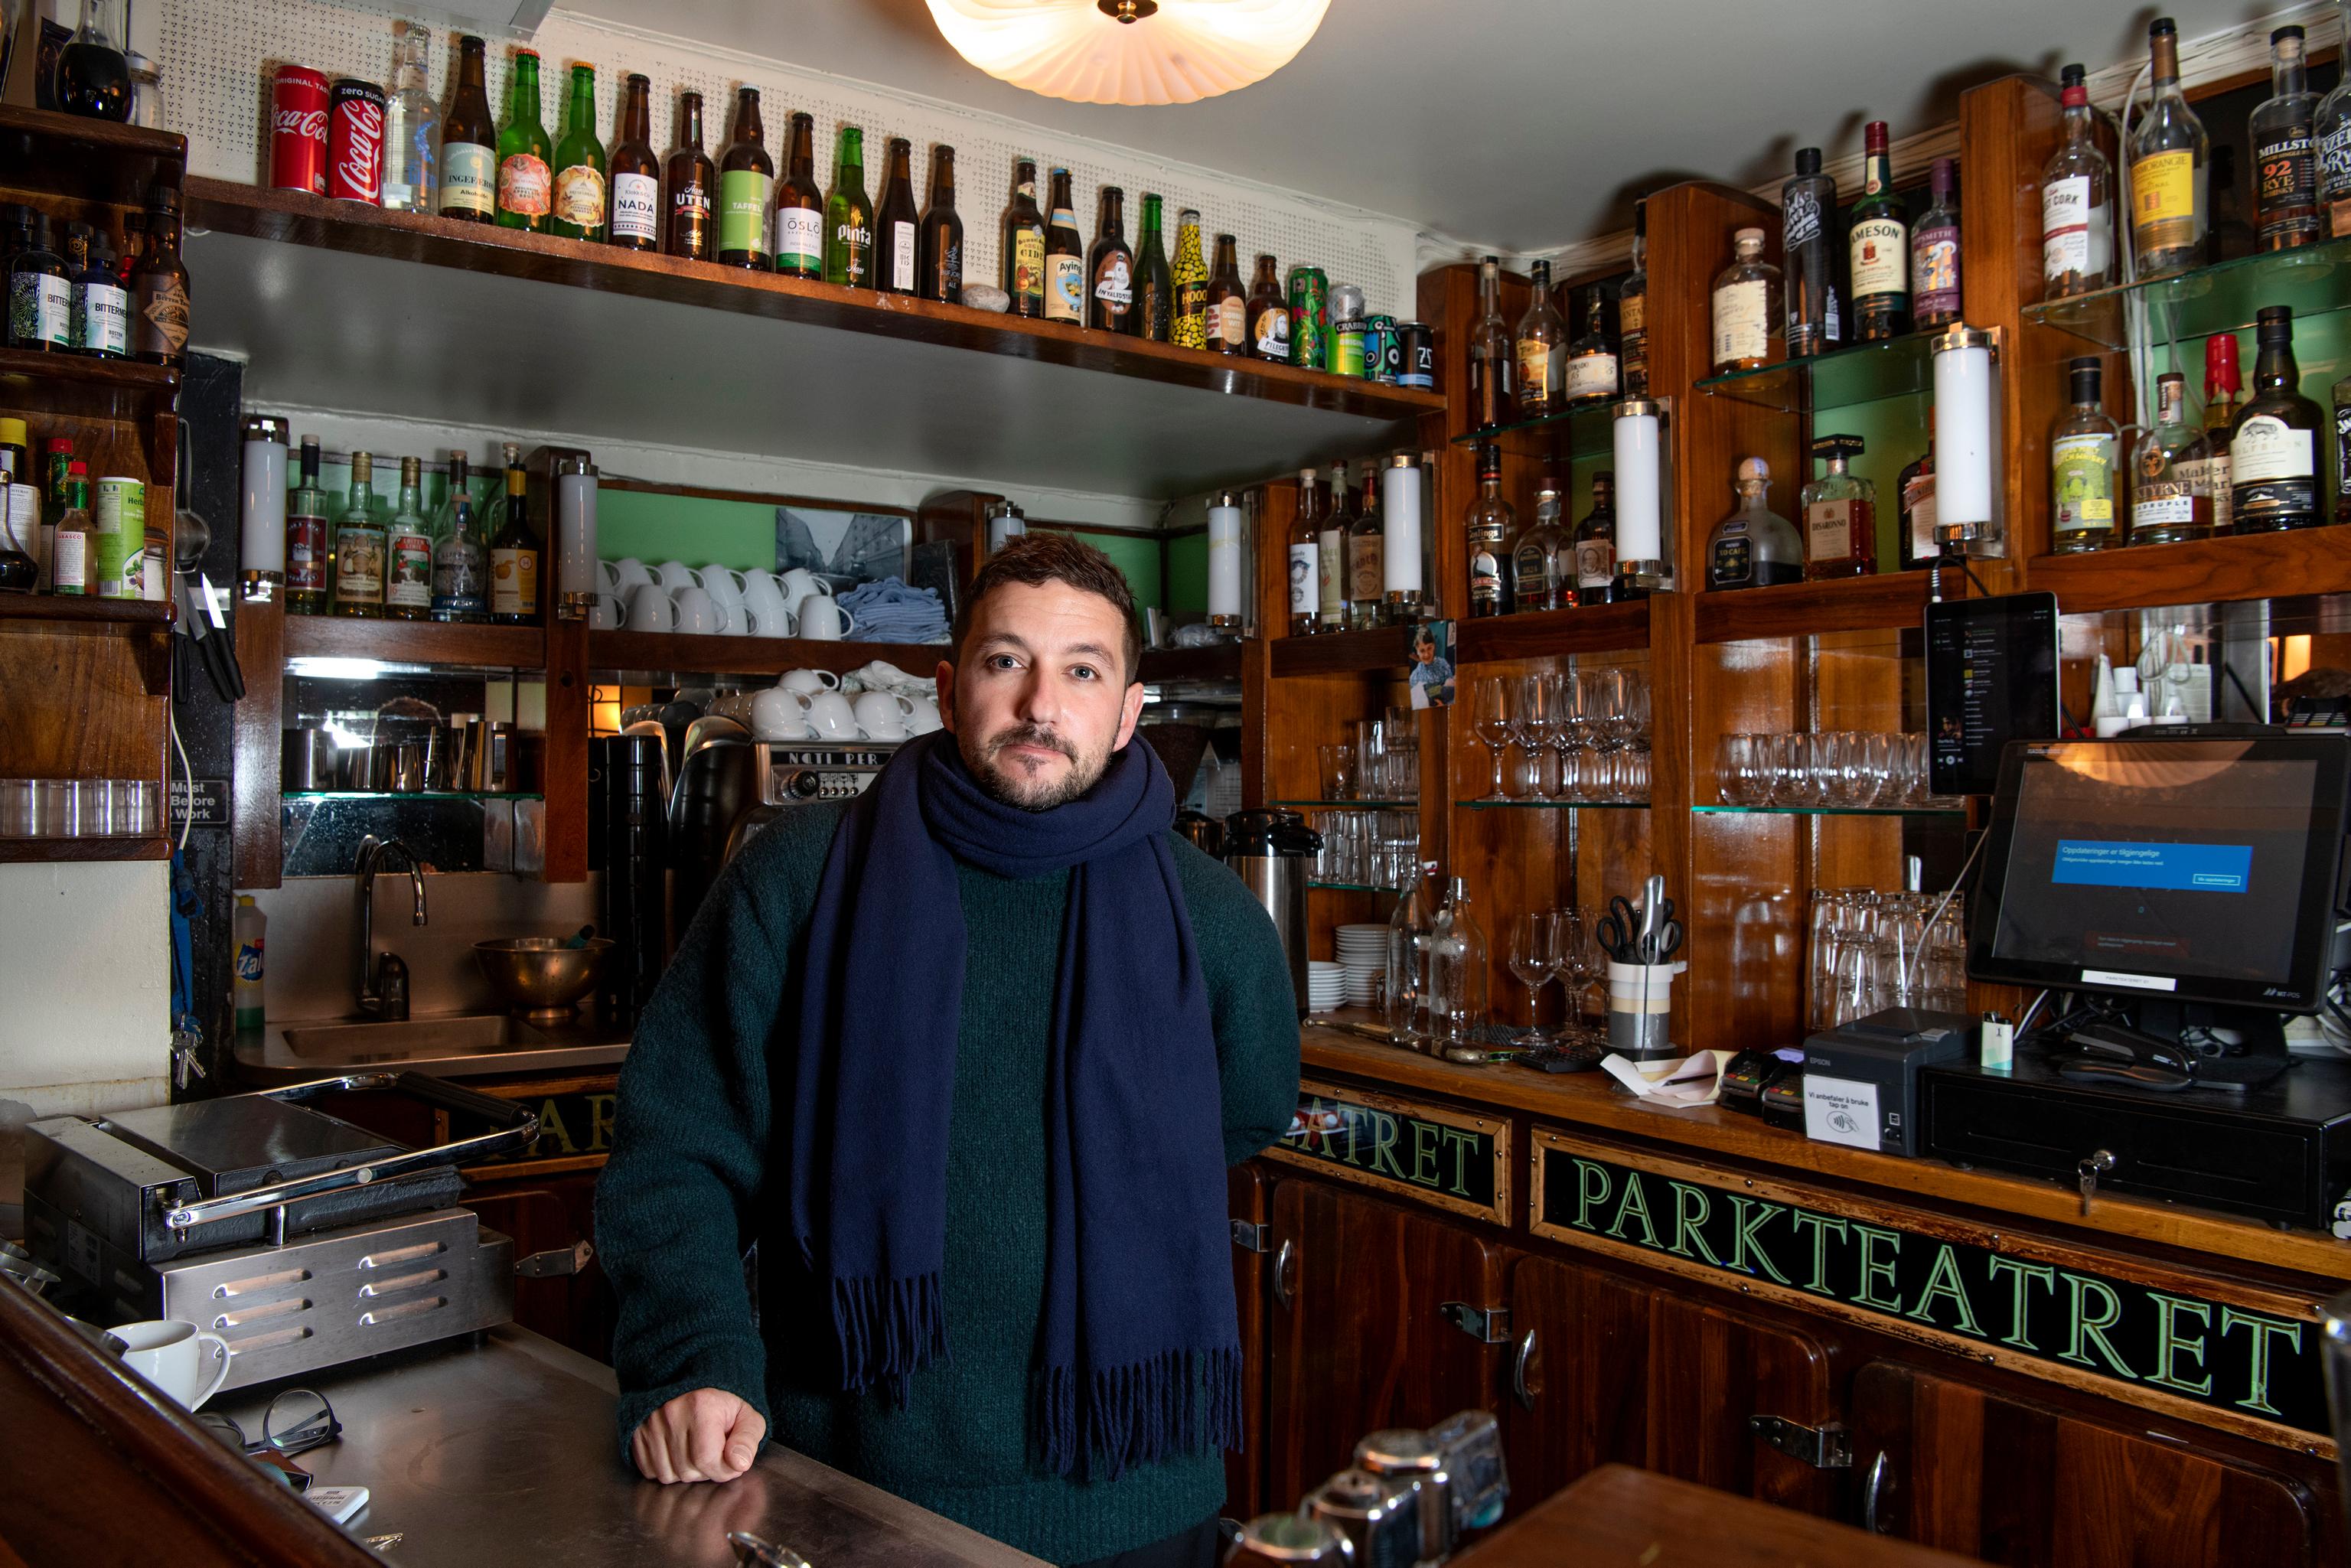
<point x="1431" y="672"/>
<point x="844" y="541"/>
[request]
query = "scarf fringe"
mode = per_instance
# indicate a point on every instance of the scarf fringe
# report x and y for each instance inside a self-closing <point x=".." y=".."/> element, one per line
<point x="888" y="1330"/>
<point x="1176" y="1402"/>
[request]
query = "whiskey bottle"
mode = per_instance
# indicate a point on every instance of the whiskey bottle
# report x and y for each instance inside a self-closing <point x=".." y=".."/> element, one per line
<point x="1879" y="243"/>
<point x="1935" y="250"/>
<point x="1595" y="545"/>
<point x="1633" y="309"/>
<point x="514" y="554"/>
<point x="1542" y="348"/>
<point x="1747" y="324"/>
<point x="2221" y="385"/>
<point x="1812" y="247"/>
<point x="1491" y="352"/>
<point x="1306" y="557"/>
<point x="2168" y="207"/>
<point x="1367" y="557"/>
<point x="2343" y="450"/>
<point x="2286" y="184"/>
<point x="2077" y="211"/>
<point x="2169" y="502"/>
<point x="1840" y="514"/>
<point x="2331" y="143"/>
<point x="1914" y="489"/>
<point x="1754" y="547"/>
<point x="1544" y="561"/>
<point x="2082" y="466"/>
<point x="1489" y="524"/>
<point x="1331" y="557"/>
<point x="2273" y="446"/>
<point x="1592" y="360"/>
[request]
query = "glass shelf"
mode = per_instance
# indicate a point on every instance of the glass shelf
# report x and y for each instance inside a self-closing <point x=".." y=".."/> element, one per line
<point x="1350" y="805"/>
<point x="2314" y="279"/>
<point x="1589" y="431"/>
<point x="408" y="795"/>
<point x="1832" y="810"/>
<point x="1350" y="887"/>
<point x="1557" y="805"/>
<point x="1864" y="372"/>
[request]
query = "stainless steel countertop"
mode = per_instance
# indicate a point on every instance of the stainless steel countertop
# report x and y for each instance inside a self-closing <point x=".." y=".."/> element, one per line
<point x="264" y="1060"/>
<point x="504" y="1453"/>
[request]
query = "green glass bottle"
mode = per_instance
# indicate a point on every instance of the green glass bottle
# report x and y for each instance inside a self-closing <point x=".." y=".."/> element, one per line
<point x="579" y="168"/>
<point x="849" y="217"/>
<point x="526" y="182"/>
<point x="1155" y="281"/>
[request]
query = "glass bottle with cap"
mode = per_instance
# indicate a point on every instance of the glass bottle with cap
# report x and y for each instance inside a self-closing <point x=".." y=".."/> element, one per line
<point x="2170" y="498"/>
<point x="1748" y="327"/>
<point x="1545" y="555"/>
<point x="1754" y="547"/>
<point x="1840" y="514"/>
<point x="2084" y="468"/>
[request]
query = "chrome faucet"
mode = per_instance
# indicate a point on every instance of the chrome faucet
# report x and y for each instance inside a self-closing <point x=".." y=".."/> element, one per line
<point x="383" y="983"/>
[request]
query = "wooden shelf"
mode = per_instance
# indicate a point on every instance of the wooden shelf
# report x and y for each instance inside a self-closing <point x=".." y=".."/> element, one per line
<point x="1552" y="633"/>
<point x="1344" y="653"/>
<point x="1217" y="662"/>
<point x="123" y="847"/>
<point x="1889" y="600"/>
<point x="54" y="154"/>
<point x="564" y="335"/>
<point x="657" y="656"/>
<point x="415" y="643"/>
<point x="53" y="613"/>
<point x="78" y="384"/>
<point x="2234" y="567"/>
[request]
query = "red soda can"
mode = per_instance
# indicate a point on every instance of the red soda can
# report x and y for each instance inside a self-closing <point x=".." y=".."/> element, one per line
<point x="297" y="130"/>
<point x="355" y="141"/>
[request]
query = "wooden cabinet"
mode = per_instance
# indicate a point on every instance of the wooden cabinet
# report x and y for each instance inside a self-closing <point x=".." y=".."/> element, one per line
<point x="1952" y="1465"/>
<point x="1245" y="1188"/>
<point x="549" y="1214"/>
<point x="1358" y="1338"/>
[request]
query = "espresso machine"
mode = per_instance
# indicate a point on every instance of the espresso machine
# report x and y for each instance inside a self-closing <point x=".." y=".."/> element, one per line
<point x="730" y="787"/>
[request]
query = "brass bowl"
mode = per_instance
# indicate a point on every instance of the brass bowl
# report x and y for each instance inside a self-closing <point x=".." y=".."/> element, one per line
<point x="539" y="976"/>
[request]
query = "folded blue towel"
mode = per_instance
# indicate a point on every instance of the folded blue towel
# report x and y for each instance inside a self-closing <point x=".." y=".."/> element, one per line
<point x="888" y="610"/>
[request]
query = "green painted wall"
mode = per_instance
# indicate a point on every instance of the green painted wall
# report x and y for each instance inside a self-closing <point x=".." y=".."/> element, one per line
<point x="1187" y="587"/>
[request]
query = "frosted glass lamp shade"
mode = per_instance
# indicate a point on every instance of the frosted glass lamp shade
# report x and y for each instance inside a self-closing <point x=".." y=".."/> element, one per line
<point x="1180" y="51"/>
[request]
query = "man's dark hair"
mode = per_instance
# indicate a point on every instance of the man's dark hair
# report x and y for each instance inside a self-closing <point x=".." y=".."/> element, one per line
<point x="1037" y="559"/>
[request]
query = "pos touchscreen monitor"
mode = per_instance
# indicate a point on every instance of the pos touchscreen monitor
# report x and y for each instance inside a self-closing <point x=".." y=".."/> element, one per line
<point x="2190" y="869"/>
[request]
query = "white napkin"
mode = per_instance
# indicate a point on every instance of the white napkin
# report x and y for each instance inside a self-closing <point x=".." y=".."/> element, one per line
<point x="1694" y="1079"/>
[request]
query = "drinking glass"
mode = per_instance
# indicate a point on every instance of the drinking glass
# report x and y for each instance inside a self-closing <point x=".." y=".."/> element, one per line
<point x="1580" y="963"/>
<point x="1337" y="771"/>
<point x="1535" y="959"/>
<point x="1738" y="775"/>
<point x="1491" y="720"/>
<point x="1600" y="701"/>
<point x="1538" y="721"/>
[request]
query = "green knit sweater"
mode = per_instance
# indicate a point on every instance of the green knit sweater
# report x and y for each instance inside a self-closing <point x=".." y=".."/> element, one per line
<point x="696" y="1178"/>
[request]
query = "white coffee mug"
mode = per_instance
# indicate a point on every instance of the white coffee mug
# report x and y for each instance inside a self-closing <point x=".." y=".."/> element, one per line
<point x="627" y="573"/>
<point x="925" y="717"/>
<point x="725" y="583"/>
<point x="604" y="613"/>
<point x="696" y="614"/>
<point x="821" y="618"/>
<point x="736" y="705"/>
<point x="780" y="715"/>
<point x="187" y="1362"/>
<point x="800" y="582"/>
<point x="883" y="715"/>
<point x="651" y="609"/>
<point x="678" y="574"/>
<point x="831" y="716"/>
<point x="809" y="681"/>
<point x="766" y="618"/>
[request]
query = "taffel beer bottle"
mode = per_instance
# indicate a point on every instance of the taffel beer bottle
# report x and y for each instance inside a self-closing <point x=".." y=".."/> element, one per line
<point x="746" y="179"/>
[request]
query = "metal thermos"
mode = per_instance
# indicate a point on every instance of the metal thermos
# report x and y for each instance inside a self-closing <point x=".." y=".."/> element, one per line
<point x="627" y="807"/>
<point x="1202" y="829"/>
<point x="1379" y="1515"/>
<point x="1413" y="1458"/>
<point x="1274" y="852"/>
<point x="1288" y="1541"/>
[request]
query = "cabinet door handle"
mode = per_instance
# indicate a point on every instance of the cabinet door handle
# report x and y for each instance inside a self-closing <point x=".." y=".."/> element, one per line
<point x="1870" y="1494"/>
<point x="1522" y="1362"/>
<point x="1285" y="1273"/>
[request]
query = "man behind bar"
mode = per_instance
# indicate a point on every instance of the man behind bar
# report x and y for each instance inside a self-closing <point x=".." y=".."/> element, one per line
<point x="968" y="1058"/>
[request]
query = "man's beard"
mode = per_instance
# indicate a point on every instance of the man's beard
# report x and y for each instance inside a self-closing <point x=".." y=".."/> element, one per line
<point x="1021" y="790"/>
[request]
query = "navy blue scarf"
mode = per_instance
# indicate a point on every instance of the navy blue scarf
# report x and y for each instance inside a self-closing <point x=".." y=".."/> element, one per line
<point x="1140" y="1349"/>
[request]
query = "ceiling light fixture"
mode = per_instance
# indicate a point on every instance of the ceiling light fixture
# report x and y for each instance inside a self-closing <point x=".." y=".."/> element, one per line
<point x="1129" y="51"/>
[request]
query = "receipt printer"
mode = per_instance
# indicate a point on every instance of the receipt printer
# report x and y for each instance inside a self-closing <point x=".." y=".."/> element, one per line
<point x="1861" y="1079"/>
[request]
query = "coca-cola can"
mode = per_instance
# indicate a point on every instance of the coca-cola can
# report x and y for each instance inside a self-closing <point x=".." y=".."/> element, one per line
<point x="297" y="130"/>
<point x="355" y="141"/>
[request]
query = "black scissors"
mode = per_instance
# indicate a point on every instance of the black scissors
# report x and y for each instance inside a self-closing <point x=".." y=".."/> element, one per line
<point x="1618" y="927"/>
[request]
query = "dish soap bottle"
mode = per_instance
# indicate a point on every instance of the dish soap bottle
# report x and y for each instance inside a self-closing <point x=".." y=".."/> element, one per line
<point x="250" y="932"/>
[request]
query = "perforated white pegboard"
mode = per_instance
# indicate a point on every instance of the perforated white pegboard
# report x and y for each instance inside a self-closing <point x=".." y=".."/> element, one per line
<point x="216" y="58"/>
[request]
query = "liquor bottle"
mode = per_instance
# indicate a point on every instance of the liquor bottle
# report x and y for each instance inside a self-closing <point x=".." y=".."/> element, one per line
<point x="1492" y="356"/>
<point x="159" y="285"/>
<point x="1914" y="542"/>
<point x="1746" y="321"/>
<point x="2228" y="235"/>
<point x="308" y="560"/>
<point x="1543" y="561"/>
<point x="1065" y="257"/>
<point x="411" y="130"/>
<point x="2343" y="450"/>
<point x="135" y="245"/>
<point x="1268" y="312"/>
<point x="1228" y="323"/>
<point x="693" y="181"/>
<point x="2273" y="446"/>
<point x="469" y="142"/>
<point x="1840" y="511"/>
<point x="1490" y="526"/>
<point x="800" y="204"/>
<point x="939" y="261"/>
<point x="1591" y="360"/>
<point x="408" y="550"/>
<point x="2083" y="468"/>
<point x="1812" y="252"/>
<point x="2169" y="210"/>
<point x="747" y="185"/>
<point x="57" y="475"/>
<point x="460" y="563"/>
<point x="897" y="227"/>
<point x="93" y="75"/>
<point x="2330" y="142"/>
<point x="73" y="554"/>
<point x="101" y="306"/>
<point x="40" y="295"/>
<point x="1935" y="251"/>
<point x="359" y="547"/>
<point x="2280" y="130"/>
<point x="849" y="223"/>
<point x="1022" y="244"/>
<point x="635" y="222"/>
<point x="2169" y="501"/>
<point x="1633" y="309"/>
<point x="581" y="198"/>
<point x="1306" y="557"/>
<point x="1155" y="281"/>
<point x="526" y="182"/>
<point x="2077" y="213"/>
<point x="1110" y="270"/>
<point x="1367" y="557"/>
<point x="1879" y="245"/>
<point x="1754" y="547"/>
<point x="2221" y="385"/>
<point x="1541" y="346"/>
<point x="1188" y="323"/>
<point x="1595" y="545"/>
<point x="1331" y="557"/>
<point x="514" y="554"/>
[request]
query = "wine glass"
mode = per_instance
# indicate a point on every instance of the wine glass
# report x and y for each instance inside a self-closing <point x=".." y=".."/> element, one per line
<point x="1538" y="714"/>
<point x="1578" y="932"/>
<point x="1535" y="959"/>
<point x="1489" y="716"/>
<point x="1602" y="702"/>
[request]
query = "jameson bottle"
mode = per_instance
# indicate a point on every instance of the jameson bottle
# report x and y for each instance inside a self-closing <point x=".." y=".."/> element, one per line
<point x="1187" y="324"/>
<point x="800" y="206"/>
<point x="469" y="144"/>
<point x="940" y="262"/>
<point x="1228" y="323"/>
<point x="2169" y="207"/>
<point x="2273" y="447"/>
<point x="1879" y="243"/>
<point x="1110" y="270"/>
<point x="634" y="220"/>
<point x="896" y="226"/>
<point x="306" y="556"/>
<point x="526" y="182"/>
<point x="746" y="180"/>
<point x="1065" y="257"/>
<point x="692" y="185"/>
<point x="1813" y="258"/>
<point x="1154" y="283"/>
<point x="848" y="216"/>
<point x="1022" y="244"/>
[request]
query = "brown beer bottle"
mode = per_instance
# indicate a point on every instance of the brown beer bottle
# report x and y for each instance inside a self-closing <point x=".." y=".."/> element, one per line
<point x="1110" y="270"/>
<point x="1268" y="313"/>
<point x="693" y="183"/>
<point x="941" y="239"/>
<point x="1022" y="244"/>
<point x="747" y="187"/>
<point x="897" y="229"/>
<point x="1227" y="300"/>
<point x="634" y="220"/>
<point x="469" y="144"/>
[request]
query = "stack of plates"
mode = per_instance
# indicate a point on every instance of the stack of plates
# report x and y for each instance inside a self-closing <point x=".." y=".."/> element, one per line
<point x="1326" y="986"/>
<point x="1363" y="952"/>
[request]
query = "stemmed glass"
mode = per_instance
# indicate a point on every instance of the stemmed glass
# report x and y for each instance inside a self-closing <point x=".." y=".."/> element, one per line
<point x="1491" y="716"/>
<point x="1633" y="758"/>
<point x="1538" y="721"/>
<point x="1535" y="959"/>
<point x="1601" y="702"/>
<point x="1580" y="960"/>
<point x="1569" y="733"/>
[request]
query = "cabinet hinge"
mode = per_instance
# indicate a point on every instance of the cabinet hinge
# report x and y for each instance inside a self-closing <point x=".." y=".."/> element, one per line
<point x="1487" y="1325"/>
<point x="1827" y="1446"/>
<point x="1252" y="1238"/>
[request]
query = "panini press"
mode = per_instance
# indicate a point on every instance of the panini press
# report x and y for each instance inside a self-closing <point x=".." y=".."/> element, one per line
<point x="301" y="1239"/>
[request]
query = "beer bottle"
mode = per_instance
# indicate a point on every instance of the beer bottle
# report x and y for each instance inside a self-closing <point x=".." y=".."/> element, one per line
<point x="1065" y="259"/>
<point x="1023" y="243"/>
<point x="513" y="554"/>
<point x="1110" y="270"/>
<point x="469" y="144"/>
<point x="848" y="216"/>
<point x="1228" y="322"/>
<point x="942" y="246"/>
<point x="634" y="221"/>
<point x="746" y="178"/>
<point x="692" y="179"/>
<point x="1155" y="285"/>
<point x="800" y="206"/>
<point x="526" y="183"/>
<point x="1268" y="313"/>
<point x="1187" y="324"/>
<point x="579" y="169"/>
<point x="159" y="285"/>
<point x="896" y="226"/>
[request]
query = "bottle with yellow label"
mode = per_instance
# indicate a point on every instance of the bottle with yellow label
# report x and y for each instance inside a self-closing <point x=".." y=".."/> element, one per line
<point x="2168" y="204"/>
<point x="513" y="554"/>
<point x="2084" y="466"/>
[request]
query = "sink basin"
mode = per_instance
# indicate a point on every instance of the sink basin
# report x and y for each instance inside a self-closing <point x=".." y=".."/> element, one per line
<point x="446" y="1046"/>
<point x="372" y="1041"/>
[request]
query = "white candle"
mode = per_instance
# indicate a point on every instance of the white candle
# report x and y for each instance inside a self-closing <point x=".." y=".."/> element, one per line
<point x="1225" y="559"/>
<point x="1400" y="524"/>
<point x="261" y="516"/>
<point x="1640" y="521"/>
<point x="1963" y="408"/>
